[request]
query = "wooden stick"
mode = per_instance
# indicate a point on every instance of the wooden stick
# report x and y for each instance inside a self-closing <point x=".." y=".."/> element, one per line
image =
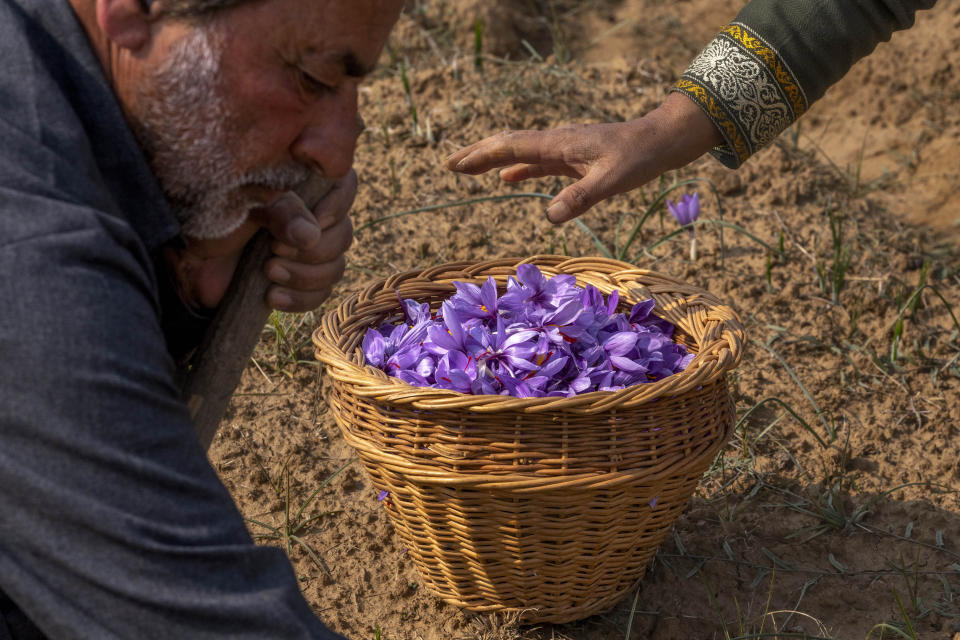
<point x="220" y="359"/>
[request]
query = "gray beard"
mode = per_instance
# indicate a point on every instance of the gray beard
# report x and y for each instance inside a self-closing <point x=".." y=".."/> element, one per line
<point x="181" y="125"/>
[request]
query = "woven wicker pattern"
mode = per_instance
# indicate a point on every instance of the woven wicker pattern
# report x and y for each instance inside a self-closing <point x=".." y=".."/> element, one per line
<point x="554" y="506"/>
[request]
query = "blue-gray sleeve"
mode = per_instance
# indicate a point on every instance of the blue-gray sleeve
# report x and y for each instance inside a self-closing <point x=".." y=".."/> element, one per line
<point x="114" y="523"/>
<point x="765" y="69"/>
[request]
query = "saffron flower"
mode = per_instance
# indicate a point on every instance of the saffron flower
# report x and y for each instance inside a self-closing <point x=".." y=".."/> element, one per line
<point x="542" y="337"/>
<point x="476" y="304"/>
<point x="686" y="211"/>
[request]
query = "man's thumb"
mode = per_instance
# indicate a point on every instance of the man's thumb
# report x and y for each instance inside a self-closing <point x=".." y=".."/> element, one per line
<point x="573" y="201"/>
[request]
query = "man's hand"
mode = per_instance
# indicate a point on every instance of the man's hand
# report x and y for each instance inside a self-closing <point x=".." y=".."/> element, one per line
<point x="605" y="159"/>
<point x="308" y="252"/>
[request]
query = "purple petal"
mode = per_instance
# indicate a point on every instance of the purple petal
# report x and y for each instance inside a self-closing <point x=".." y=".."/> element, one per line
<point x="518" y="338"/>
<point x="620" y="343"/>
<point x="488" y="295"/>
<point x="641" y="311"/>
<point x="373" y="347"/>
<point x="412" y="378"/>
<point x="626" y="364"/>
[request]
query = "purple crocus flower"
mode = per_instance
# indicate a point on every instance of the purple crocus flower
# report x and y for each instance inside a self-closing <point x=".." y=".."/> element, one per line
<point x="475" y="304"/>
<point x="449" y="336"/>
<point x="531" y="290"/>
<point x="554" y="323"/>
<point x="456" y="371"/>
<point x="400" y="349"/>
<point x="641" y="311"/>
<point x="543" y="337"/>
<point x="502" y="349"/>
<point x="686" y="211"/>
<point x="618" y="346"/>
<point x="413" y="312"/>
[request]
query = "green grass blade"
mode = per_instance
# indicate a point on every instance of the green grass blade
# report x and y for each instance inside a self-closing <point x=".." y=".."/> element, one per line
<point x="911" y="301"/>
<point x="478" y="28"/>
<point x="906" y="618"/>
<point x="449" y="205"/>
<point x="265" y="526"/>
<point x="317" y="560"/>
<point x="596" y="241"/>
<point x="633" y="611"/>
<point x="789" y="410"/>
<point x="323" y="484"/>
<point x="830" y="430"/>
<point x="719" y="223"/>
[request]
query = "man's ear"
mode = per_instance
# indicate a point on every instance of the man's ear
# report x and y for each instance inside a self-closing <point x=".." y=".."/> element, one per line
<point x="125" y="22"/>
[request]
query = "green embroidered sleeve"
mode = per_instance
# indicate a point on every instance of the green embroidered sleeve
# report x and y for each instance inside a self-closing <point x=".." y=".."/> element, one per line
<point x="765" y="69"/>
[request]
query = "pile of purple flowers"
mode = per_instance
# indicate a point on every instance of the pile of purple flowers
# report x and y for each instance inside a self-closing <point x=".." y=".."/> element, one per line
<point x="543" y="337"/>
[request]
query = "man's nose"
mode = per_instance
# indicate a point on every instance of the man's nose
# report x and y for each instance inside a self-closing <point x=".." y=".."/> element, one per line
<point x="327" y="141"/>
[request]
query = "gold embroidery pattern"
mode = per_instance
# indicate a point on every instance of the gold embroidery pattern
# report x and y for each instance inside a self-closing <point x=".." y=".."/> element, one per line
<point x="784" y="77"/>
<point x="717" y="113"/>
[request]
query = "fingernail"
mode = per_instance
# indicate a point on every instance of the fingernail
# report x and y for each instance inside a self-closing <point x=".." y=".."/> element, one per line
<point x="461" y="165"/>
<point x="558" y="212"/>
<point x="304" y="233"/>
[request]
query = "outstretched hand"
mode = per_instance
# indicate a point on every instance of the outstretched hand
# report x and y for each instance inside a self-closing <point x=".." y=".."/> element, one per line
<point x="605" y="159"/>
<point x="308" y="248"/>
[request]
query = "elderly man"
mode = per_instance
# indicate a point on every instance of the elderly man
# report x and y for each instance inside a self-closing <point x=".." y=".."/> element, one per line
<point x="143" y="145"/>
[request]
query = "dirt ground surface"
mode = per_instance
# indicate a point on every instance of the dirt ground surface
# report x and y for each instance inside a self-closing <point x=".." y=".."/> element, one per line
<point x="834" y="509"/>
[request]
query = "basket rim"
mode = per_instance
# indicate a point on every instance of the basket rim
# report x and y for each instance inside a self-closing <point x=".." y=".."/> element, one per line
<point x="721" y="354"/>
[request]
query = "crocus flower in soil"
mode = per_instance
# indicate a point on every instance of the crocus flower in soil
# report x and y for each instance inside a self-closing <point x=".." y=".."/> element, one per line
<point x="686" y="211"/>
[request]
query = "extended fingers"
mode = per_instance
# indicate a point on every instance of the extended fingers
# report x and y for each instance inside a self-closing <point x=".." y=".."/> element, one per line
<point x="505" y="148"/>
<point x="519" y="172"/>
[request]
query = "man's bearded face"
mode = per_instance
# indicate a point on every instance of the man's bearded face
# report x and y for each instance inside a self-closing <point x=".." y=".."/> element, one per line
<point x="182" y="120"/>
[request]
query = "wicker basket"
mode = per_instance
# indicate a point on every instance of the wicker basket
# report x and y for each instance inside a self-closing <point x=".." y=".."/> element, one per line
<point x="550" y="506"/>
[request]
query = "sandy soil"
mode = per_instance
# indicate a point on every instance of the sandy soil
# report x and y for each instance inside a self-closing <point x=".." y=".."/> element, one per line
<point x="786" y="534"/>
